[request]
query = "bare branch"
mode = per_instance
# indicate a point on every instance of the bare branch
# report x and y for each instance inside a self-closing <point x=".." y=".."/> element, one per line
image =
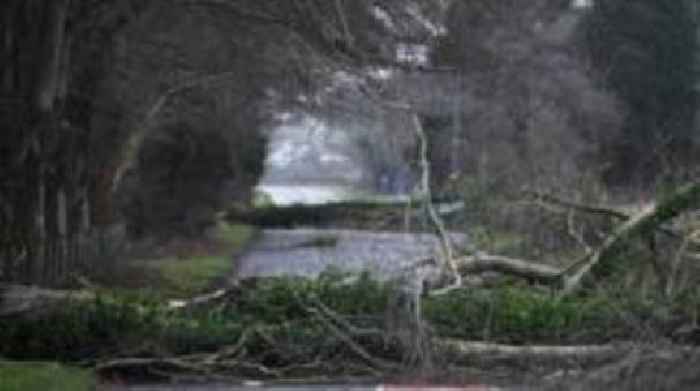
<point x="143" y="129"/>
<point x="485" y="349"/>
<point x="481" y="263"/>
<point x="580" y="207"/>
<point x="651" y="218"/>
<point x="347" y="339"/>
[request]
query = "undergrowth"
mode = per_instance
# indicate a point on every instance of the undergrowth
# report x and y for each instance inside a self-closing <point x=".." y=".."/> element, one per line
<point x="133" y="325"/>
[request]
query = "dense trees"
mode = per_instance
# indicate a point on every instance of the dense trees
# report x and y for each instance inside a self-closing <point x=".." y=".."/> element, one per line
<point x="89" y="87"/>
<point x="152" y="115"/>
<point x="646" y="52"/>
<point x="93" y="93"/>
<point x="76" y="100"/>
<point x="194" y="103"/>
<point x="527" y="111"/>
<point x="54" y="55"/>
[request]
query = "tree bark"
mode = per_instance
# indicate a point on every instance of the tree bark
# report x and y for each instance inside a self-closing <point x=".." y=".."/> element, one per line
<point x="38" y="259"/>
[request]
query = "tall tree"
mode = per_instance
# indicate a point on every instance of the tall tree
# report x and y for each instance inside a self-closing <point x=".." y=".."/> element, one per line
<point x="54" y="54"/>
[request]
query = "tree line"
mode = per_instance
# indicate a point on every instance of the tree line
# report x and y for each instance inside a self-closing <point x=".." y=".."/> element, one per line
<point x="155" y="113"/>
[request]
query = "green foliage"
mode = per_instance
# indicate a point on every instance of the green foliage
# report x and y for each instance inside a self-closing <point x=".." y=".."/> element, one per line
<point x="277" y="301"/>
<point x="116" y="323"/>
<point x="36" y="376"/>
<point x="137" y="322"/>
<point x="111" y="324"/>
<point x="262" y="199"/>
<point x="519" y="315"/>
<point x="364" y="296"/>
<point x="189" y="276"/>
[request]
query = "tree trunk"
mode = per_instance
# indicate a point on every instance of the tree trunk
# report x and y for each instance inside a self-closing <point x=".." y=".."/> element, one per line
<point x="37" y="263"/>
<point x="51" y="77"/>
<point x="62" y="229"/>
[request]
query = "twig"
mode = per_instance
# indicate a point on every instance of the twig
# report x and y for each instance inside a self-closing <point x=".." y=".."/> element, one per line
<point x="590" y="209"/>
<point x="232" y="351"/>
<point x="544" y="200"/>
<point x="648" y="219"/>
<point x="342" y="322"/>
<point x="577" y="235"/>
<point x="359" y="350"/>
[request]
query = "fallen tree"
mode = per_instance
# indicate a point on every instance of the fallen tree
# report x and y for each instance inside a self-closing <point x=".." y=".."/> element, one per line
<point x="348" y="350"/>
<point x="641" y="224"/>
<point x="376" y="350"/>
<point x="27" y="300"/>
<point x="17" y="299"/>
<point x="649" y="219"/>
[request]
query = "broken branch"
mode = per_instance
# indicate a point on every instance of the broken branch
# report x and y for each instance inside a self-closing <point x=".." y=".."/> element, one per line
<point x="645" y="221"/>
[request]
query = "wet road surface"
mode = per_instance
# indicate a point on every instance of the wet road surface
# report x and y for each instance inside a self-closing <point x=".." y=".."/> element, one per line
<point x="308" y="252"/>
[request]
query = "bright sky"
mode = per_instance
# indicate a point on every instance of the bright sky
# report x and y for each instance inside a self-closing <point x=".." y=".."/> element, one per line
<point x="582" y="3"/>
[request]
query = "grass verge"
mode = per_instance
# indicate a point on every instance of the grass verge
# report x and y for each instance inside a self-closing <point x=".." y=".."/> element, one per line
<point x="183" y="268"/>
<point x="39" y="376"/>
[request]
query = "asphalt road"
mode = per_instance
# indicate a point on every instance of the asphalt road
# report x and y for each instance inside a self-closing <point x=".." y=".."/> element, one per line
<point x="296" y="252"/>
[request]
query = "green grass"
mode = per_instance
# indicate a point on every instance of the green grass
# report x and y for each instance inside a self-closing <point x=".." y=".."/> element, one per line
<point x="189" y="275"/>
<point x="234" y="235"/>
<point x="37" y="376"/>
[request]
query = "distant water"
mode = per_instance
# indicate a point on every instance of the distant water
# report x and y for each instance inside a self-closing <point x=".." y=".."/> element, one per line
<point x="322" y="194"/>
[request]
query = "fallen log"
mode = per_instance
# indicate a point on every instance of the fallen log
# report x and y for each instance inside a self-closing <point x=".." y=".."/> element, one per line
<point x="482" y="263"/>
<point x="20" y="300"/>
<point x="471" y="349"/>
<point x="577" y="206"/>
